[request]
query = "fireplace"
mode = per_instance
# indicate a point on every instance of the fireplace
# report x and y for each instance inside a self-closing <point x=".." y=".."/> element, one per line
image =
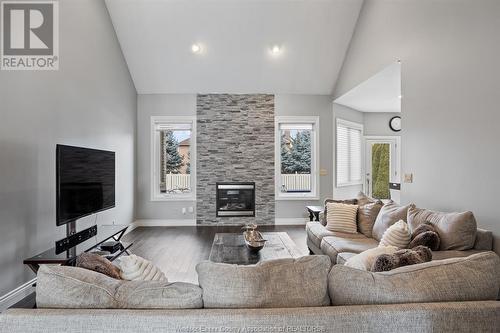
<point x="235" y="199"/>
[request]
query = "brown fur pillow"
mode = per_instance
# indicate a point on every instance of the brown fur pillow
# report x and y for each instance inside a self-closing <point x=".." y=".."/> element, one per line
<point x="97" y="263"/>
<point x="405" y="257"/>
<point x="425" y="234"/>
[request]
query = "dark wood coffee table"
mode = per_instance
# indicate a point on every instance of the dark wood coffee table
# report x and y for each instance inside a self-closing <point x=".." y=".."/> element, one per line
<point x="230" y="248"/>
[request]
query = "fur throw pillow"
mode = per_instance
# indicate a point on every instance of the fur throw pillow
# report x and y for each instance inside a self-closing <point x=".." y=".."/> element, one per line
<point x="97" y="263"/>
<point x="405" y="257"/>
<point x="425" y="234"/>
<point x="137" y="268"/>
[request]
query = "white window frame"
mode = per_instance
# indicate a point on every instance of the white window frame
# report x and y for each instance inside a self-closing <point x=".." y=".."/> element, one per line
<point x="353" y="125"/>
<point x="314" y="194"/>
<point x="156" y="195"/>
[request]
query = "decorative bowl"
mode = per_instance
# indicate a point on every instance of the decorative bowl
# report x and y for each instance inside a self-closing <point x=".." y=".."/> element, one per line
<point x="253" y="239"/>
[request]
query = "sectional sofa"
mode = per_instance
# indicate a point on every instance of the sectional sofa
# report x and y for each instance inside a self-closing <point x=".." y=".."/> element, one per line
<point x="284" y="295"/>
<point x="341" y="246"/>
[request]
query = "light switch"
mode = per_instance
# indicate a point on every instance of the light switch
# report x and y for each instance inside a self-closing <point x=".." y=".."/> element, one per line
<point x="183" y="210"/>
<point x="408" y="178"/>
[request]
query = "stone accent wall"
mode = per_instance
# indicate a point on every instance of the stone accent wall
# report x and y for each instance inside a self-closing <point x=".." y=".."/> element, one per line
<point x="235" y="143"/>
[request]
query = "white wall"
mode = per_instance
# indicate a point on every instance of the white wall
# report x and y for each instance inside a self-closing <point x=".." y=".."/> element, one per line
<point x="148" y="106"/>
<point x="89" y="102"/>
<point x="450" y="83"/>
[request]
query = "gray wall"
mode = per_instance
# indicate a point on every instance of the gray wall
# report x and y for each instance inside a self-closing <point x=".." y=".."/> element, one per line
<point x="377" y="124"/>
<point x="172" y="105"/>
<point x="91" y="102"/>
<point x="235" y="143"/>
<point x="450" y="83"/>
<point x="158" y="105"/>
<point x="309" y="105"/>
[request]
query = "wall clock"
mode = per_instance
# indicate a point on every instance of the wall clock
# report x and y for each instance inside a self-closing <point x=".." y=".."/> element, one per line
<point x="395" y="123"/>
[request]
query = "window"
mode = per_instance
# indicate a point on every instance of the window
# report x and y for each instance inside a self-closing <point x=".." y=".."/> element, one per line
<point x="349" y="158"/>
<point x="173" y="164"/>
<point x="296" y="154"/>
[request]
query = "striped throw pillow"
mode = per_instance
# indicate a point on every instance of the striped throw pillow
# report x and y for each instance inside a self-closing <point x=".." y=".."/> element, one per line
<point x="397" y="235"/>
<point x="341" y="217"/>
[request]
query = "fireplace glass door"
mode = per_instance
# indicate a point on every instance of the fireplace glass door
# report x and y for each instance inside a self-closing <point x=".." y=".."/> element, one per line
<point x="235" y="199"/>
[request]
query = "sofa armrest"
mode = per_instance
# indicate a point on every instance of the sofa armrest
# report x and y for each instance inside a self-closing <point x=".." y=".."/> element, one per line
<point x="484" y="240"/>
<point x="322" y="218"/>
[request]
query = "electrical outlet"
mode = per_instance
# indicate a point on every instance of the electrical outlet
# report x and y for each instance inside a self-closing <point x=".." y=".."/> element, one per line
<point x="191" y="209"/>
<point x="408" y="178"/>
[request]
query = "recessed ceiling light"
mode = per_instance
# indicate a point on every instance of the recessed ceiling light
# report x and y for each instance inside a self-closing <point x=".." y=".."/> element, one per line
<point x="276" y="50"/>
<point x="195" y="48"/>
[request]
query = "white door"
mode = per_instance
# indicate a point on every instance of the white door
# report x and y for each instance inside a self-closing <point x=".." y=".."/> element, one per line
<point x="382" y="165"/>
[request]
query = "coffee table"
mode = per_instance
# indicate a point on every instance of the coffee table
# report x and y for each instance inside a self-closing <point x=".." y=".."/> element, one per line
<point x="230" y="248"/>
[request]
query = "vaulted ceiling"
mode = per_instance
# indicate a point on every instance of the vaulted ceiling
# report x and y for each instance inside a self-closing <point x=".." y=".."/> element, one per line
<point x="236" y="38"/>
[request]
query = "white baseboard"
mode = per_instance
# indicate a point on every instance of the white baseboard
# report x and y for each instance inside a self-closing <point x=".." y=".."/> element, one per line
<point x="16" y="295"/>
<point x="291" y="221"/>
<point x="192" y="222"/>
<point x="162" y="223"/>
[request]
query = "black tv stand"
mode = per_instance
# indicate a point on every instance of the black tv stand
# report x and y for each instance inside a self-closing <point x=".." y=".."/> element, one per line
<point x="105" y="233"/>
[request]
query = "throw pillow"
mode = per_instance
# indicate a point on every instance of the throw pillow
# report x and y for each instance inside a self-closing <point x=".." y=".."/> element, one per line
<point x="363" y="199"/>
<point x="136" y="268"/>
<point x="365" y="259"/>
<point x="397" y="235"/>
<point x="389" y="214"/>
<point x="348" y="202"/>
<point x="405" y="257"/>
<point x="368" y="209"/>
<point x="341" y="217"/>
<point x="457" y="231"/>
<point x="426" y="235"/>
<point x="97" y="263"/>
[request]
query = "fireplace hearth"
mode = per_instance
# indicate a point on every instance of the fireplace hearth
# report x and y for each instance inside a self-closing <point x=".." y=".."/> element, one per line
<point x="235" y="199"/>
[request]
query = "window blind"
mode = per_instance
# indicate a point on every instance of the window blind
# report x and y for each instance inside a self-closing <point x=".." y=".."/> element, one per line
<point x="349" y="140"/>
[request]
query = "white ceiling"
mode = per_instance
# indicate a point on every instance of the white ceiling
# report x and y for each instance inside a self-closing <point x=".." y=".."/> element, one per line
<point x="380" y="93"/>
<point x="235" y="35"/>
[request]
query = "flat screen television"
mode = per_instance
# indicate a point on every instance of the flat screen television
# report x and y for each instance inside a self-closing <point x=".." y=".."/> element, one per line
<point x="85" y="182"/>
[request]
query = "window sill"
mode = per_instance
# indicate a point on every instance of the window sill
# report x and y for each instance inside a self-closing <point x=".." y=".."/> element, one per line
<point x="159" y="198"/>
<point x="349" y="184"/>
<point x="296" y="198"/>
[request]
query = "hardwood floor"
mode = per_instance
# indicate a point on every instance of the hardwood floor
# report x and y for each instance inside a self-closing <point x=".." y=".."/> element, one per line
<point x="177" y="250"/>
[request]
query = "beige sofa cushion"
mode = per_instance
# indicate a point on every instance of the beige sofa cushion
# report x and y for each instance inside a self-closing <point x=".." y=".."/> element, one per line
<point x="333" y="245"/>
<point x="78" y="288"/>
<point x="389" y="214"/>
<point x="456" y="230"/>
<point x="341" y="217"/>
<point x="316" y="232"/>
<point x="342" y="257"/>
<point x="275" y="283"/>
<point x="471" y="278"/>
